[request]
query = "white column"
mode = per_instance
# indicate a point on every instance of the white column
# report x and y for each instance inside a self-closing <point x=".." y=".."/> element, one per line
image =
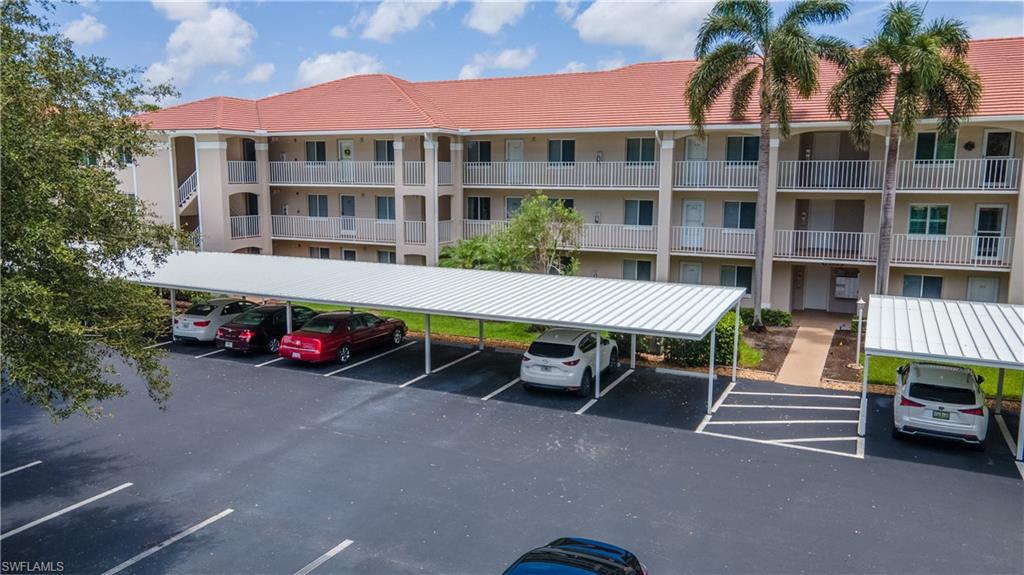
<point x="174" y="307"/>
<point x="426" y="341"/>
<point x="288" y="316"/>
<point x="662" y="259"/>
<point x="480" y="345"/>
<point x="711" y="369"/>
<point x="1020" y="439"/>
<point x="862" y="423"/>
<point x="632" y="351"/>
<point x="597" y="367"/>
<point x="735" y="343"/>
<point x="999" y="392"/>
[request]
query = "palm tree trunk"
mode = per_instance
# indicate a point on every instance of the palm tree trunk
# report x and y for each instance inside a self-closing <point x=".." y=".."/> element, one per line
<point x="888" y="208"/>
<point x="761" y="216"/>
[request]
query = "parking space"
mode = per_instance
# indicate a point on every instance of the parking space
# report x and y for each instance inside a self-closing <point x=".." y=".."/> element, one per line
<point x="658" y="398"/>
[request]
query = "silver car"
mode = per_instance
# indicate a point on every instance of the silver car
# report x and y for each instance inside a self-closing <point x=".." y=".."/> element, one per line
<point x="200" y="322"/>
<point x="567" y="359"/>
<point x="940" y="401"/>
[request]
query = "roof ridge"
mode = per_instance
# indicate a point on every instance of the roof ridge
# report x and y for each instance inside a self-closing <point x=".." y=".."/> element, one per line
<point x="319" y="84"/>
<point x="428" y="115"/>
<point x="527" y="76"/>
<point x="411" y="100"/>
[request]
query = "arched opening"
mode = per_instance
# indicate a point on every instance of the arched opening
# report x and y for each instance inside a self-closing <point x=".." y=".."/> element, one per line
<point x="245" y="215"/>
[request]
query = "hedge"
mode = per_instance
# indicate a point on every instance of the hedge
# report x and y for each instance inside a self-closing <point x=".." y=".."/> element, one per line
<point x="696" y="352"/>
<point x="770" y="317"/>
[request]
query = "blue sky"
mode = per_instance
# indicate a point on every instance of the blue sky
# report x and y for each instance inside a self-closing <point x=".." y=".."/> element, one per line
<point x="254" y="49"/>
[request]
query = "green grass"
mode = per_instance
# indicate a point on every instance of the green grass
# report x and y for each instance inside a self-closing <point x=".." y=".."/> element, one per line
<point x="883" y="372"/>
<point x="749" y="357"/>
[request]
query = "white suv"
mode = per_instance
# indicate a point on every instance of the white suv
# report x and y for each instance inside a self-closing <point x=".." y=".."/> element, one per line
<point x="565" y="359"/>
<point x="940" y="401"/>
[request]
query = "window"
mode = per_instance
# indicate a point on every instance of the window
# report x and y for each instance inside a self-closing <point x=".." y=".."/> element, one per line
<point x="640" y="150"/>
<point x="922" y="286"/>
<point x="317" y="205"/>
<point x="90" y="159"/>
<point x="740" y="215"/>
<point x="588" y="343"/>
<point x="479" y="152"/>
<point x="639" y="213"/>
<point x="125" y="155"/>
<point x="384" y="150"/>
<point x="478" y="208"/>
<point x="348" y="255"/>
<point x="928" y="219"/>
<point x="316" y="151"/>
<point x="561" y="151"/>
<point x="236" y="307"/>
<point x="385" y="207"/>
<point x="742" y="148"/>
<point x="736" y="276"/>
<point x="320" y="253"/>
<point x="933" y="149"/>
<point x="636" y="270"/>
<point x="386" y="257"/>
<point x="567" y="202"/>
<point x="512" y="204"/>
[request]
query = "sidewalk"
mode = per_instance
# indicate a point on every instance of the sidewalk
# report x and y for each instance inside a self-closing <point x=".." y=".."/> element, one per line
<point x="806" y="359"/>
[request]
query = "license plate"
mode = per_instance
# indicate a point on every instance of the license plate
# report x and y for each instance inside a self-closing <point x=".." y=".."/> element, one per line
<point x="296" y="355"/>
<point x="228" y="345"/>
<point x="545" y="368"/>
<point x="940" y="414"/>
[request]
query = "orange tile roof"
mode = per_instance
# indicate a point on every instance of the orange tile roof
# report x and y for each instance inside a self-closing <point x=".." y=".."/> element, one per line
<point x="641" y="95"/>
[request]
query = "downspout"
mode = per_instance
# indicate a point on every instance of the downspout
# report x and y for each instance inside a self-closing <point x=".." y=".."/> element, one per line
<point x="174" y="186"/>
<point x="436" y="223"/>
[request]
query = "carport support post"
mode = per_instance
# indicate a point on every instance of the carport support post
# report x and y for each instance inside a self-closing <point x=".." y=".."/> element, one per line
<point x="862" y="420"/>
<point x="480" y="345"/>
<point x="711" y="369"/>
<point x="426" y="341"/>
<point x="1020" y="439"/>
<point x="735" y="343"/>
<point x="288" y="316"/>
<point x="174" y="307"/>
<point x="632" y="351"/>
<point x="999" y="392"/>
<point x="597" y="370"/>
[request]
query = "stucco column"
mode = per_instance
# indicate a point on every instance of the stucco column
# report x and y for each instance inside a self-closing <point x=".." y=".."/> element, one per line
<point x="430" y="199"/>
<point x="211" y="164"/>
<point x="1016" y="291"/>
<point x="263" y="180"/>
<point x="458" y="198"/>
<point x="399" y="201"/>
<point x="769" y="222"/>
<point x="664" y="235"/>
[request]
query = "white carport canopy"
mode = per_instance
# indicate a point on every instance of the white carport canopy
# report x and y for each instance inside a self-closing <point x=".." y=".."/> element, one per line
<point x="973" y="333"/>
<point x="634" y="307"/>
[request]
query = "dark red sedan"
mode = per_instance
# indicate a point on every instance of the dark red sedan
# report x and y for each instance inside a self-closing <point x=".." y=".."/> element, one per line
<point x="335" y="336"/>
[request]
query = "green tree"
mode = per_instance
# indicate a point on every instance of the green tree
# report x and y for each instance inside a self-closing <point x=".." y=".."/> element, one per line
<point x="741" y="45"/>
<point x="908" y="71"/>
<point x="542" y="237"/>
<point x="67" y="234"/>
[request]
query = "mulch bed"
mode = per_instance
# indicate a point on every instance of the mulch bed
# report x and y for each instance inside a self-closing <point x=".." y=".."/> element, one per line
<point x="841" y="356"/>
<point x="773" y="343"/>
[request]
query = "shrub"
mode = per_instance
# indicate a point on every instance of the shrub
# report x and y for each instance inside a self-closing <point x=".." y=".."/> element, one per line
<point x="644" y="344"/>
<point x="770" y="317"/>
<point x="696" y="352"/>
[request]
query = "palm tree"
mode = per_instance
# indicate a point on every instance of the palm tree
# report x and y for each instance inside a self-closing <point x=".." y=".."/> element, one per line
<point x="741" y="45"/>
<point x="907" y="71"/>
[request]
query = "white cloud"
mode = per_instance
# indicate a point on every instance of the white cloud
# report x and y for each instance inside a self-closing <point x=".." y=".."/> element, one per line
<point x="203" y="37"/>
<point x="511" y="59"/>
<point x="611" y="63"/>
<point x="567" y="9"/>
<point x="259" y="73"/>
<point x="339" y="32"/>
<point x="490" y="17"/>
<point x="395" y="17"/>
<point x="986" y="25"/>
<point x="85" y="30"/>
<point x="665" y="28"/>
<point x="573" y="66"/>
<point x="326" y="67"/>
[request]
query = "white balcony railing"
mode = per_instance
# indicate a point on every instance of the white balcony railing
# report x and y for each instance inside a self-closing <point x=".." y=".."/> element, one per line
<point x="957" y="251"/>
<point x="241" y="172"/>
<point x="831" y="175"/>
<point x="194" y="241"/>
<point x="980" y="174"/>
<point x="579" y="175"/>
<point x="187" y="189"/>
<point x="444" y="173"/>
<point x="476" y="228"/>
<point x="712" y="241"/>
<point x="596" y="237"/>
<point x="416" y="233"/>
<point x="245" y="227"/>
<point x="414" y="173"/>
<point x="715" y="175"/>
<point x="445" y="231"/>
<point x="367" y="230"/>
<point x="333" y="173"/>
<point x="814" y="245"/>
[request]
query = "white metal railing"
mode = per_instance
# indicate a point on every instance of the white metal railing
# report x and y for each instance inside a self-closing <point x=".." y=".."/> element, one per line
<point x="823" y="245"/>
<point x="831" y="174"/>
<point x="334" y="228"/>
<point x="715" y="175"/>
<point x="622" y="175"/>
<point x="979" y="174"/>
<point x="444" y="173"/>
<point x="241" y="172"/>
<point x="968" y="251"/>
<point x="187" y="189"/>
<point x="618" y="237"/>
<point x="414" y="173"/>
<point x="476" y="228"/>
<point x="712" y="241"/>
<point x="194" y="241"/>
<point x="333" y="173"/>
<point x="416" y="233"/>
<point x="245" y="227"/>
<point x="445" y="231"/>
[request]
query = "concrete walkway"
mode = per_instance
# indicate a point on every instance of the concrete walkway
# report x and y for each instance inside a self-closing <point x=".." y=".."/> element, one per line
<point x="807" y="355"/>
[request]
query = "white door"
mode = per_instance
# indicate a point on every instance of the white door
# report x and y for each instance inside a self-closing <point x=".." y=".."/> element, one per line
<point x="693" y="224"/>
<point x="514" y="168"/>
<point x="690" y="273"/>
<point x="989" y="227"/>
<point x="348" y="213"/>
<point x="346" y="154"/>
<point x="819" y="223"/>
<point x="816" y="283"/>
<point x="998" y="170"/>
<point x="983" y="289"/>
<point x="696" y="173"/>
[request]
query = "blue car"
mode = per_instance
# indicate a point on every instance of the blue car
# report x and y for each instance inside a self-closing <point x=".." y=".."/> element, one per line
<point x="572" y="556"/>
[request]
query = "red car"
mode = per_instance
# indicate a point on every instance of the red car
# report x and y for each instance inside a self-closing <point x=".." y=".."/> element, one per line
<point x="334" y="336"/>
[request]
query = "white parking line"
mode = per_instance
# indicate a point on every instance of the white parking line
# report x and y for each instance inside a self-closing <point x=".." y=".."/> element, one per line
<point x="162" y="343"/>
<point x="17" y="469"/>
<point x="177" y="537"/>
<point x="500" y="389"/>
<point x="442" y="368"/>
<point x="369" y="359"/>
<point x="790" y="445"/>
<point x="321" y="559"/>
<point x="714" y="408"/>
<point x="1010" y="442"/>
<point x="797" y="394"/>
<point x="63" y="511"/>
<point x="269" y="362"/>
<point x="604" y="392"/>
<point x="414" y="380"/>
<point x="783" y="421"/>
<point x="815" y="439"/>
<point x="815" y="407"/>
<point x="214" y="352"/>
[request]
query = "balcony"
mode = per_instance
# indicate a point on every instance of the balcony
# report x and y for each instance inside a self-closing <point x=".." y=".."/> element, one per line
<point x="726" y="242"/>
<point x="952" y="251"/>
<point x="333" y="173"/>
<point x="245" y="227"/>
<point x="831" y="175"/>
<point x="593" y="237"/>
<point x="573" y="175"/>
<point x="715" y="175"/>
<point x="445" y="232"/>
<point x="416" y="233"/>
<point x="347" y="229"/>
<point x="444" y="173"/>
<point x="831" y="246"/>
<point x="241" y="172"/>
<point x="414" y="173"/>
<point x="954" y="175"/>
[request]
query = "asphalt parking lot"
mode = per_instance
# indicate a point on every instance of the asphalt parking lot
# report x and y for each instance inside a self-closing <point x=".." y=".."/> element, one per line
<point x="263" y="466"/>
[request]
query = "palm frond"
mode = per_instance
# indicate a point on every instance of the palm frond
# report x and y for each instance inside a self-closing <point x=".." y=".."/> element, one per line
<point x="834" y="50"/>
<point x="742" y="91"/>
<point x="951" y="35"/>
<point x="812" y="12"/>
<point x="859" y="95"/>
<point x="956" y="97"/>
<point x="719" y="28"/>
<point x="712" y="77"/>
<point x="795" y="60"/>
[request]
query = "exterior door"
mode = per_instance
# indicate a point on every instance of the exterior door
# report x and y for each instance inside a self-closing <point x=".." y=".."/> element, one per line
<point x="696" y="174"/>
<point x="514" y="161"/>
<point x="983" y="289"/>
<point x="348" y="213"/>
<point x="346" y="154"/>
<point x="796" y="298"/>
<point x="989" y="225"/>
<point x="690" y="273"/>
<point x="693" y="224"/>
<point x="998" y="151"/>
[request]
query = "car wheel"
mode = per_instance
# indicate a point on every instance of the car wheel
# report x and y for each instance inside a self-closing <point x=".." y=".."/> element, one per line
<point x="344" y="354"/>
<point x="273" y="344"/>
<point x="397" y="336"/>
<point x="587" y="384"/>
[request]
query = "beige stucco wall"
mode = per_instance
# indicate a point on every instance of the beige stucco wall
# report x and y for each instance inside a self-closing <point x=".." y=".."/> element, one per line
<point x="954" y="282"/>
<point x="714" y="205"/>
<point x="962" y="210"/>
<point x="608" y="206"/>
<point x="970" y="132"/>
<point x="535" y="148"/>
<point x="364" y="253"/>
<point x="296" y="198"/>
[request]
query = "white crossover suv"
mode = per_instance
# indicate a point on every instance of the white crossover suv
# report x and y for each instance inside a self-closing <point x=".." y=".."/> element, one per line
<point x="566" y="359"/>
<point x="940" y="401"/>
<point x="200" y="322"/>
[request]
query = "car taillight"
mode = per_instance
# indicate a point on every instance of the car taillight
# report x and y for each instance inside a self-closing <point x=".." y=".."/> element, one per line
<point x="572" y="362"/>
<point x="246" y="334"/>
<point x="287" y="340"/>
<point x="909" y="402"/>
<point x="203" y="323"/>
<point x="221" y="332"/>
<point x="526" y="358"/>
<point x="973" y="411"/>
<point x="315" y="344"/>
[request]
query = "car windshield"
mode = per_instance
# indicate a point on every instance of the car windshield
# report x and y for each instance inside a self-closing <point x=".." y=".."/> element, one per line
<point x="252" y="317"/>
<point x="942" y="394"/>
<point x="546" y="349"/>
<point x="201" y="309"/>
<point x="320" y="325"/>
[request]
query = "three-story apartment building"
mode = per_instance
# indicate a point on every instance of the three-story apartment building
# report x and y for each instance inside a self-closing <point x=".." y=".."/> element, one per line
<point x="379" y="169"/>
